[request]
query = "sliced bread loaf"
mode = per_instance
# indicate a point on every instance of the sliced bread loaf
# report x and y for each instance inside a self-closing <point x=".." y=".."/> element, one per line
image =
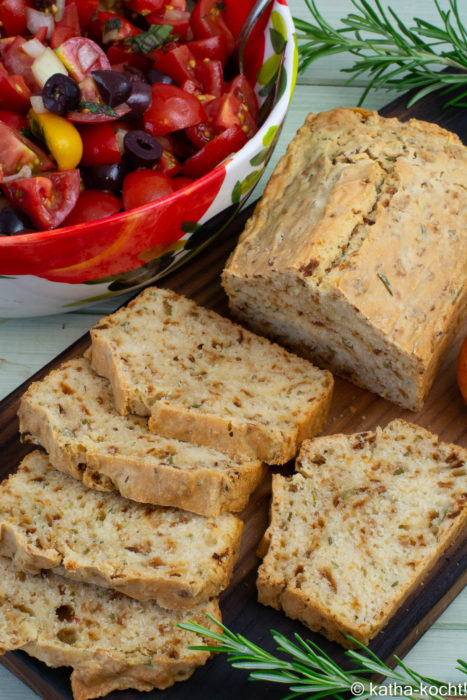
<point x="71" y="413"/>
<point x="356" y="530"/>
<point x="356" y="255"/>
<point x="49" y="520"/>
<point x="206" y="380"/>
<point x="111" y="641"/>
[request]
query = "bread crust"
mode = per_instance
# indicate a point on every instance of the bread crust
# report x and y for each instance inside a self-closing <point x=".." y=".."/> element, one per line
<point x="355" y="256"/>
<point x="281" y="585"/>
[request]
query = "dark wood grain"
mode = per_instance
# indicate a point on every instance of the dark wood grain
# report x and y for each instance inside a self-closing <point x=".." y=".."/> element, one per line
<point x="352" y="410"/>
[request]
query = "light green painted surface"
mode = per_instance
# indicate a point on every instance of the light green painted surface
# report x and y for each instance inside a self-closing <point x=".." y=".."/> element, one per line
<point x="28" y="344"/>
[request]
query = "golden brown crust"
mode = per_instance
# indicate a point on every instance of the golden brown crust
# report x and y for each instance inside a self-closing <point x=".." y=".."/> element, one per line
<point x="356" y="254"/>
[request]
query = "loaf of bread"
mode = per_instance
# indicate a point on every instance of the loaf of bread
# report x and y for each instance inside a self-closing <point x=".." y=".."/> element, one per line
<point x="203" y="379"/>
<point x="71" y="413"/>
<point x="48" y="520"/>
<point x="356" y="530"/>
<point x="356" y="255"/>
<point x="111" y="641"/>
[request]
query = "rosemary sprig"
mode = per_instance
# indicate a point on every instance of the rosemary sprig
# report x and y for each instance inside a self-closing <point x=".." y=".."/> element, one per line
<point x="311" y="671"/>
<point x="396" y="56"/>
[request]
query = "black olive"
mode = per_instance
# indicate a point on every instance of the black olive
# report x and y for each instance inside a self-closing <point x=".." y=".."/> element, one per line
<point x="13" y="222"/>
<point x="43" y="5"/>
<point x="114" y="87"/>
<point x="104" y="177"/>
<point x="133" y="73"/>
<point x="155" y="76"/>
<point x="139" y="99"/>
<point x="141" y="149"/>
<point x="61" y="94"/>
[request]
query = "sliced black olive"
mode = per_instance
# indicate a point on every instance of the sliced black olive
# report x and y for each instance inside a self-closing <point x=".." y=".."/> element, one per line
<point x="104" y="177"/>
<point x="61" y="94"/>
<point x="13" y="222"/>
<point x="141" y="149"/>
<point x="139" y="99"/>
<point x="133" y="73"/>
<point x="155" y="76"/>
<point x="114" y="87"/>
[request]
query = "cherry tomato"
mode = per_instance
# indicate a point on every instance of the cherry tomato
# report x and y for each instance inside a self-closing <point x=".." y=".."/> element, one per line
<point x="81" y="56"/>
<point x="143" y="186"/>
<point x="118" y="54"/>
<point x="100" y="145"/>
<point x="201" y="134"/>
<point x="227" y="111"/>
<point x="214" y="152"/>
<point x="179" y="20"/>
<point x="70" y="18"/>
<point x="179" y="64"/>
<point x="112" y="27"/>
<point x="14" y="153"/>
<point x="60" y="35"/>
<point x="462" y="370"/>
<point x="13" y="119"/>
<point x="17" y="62"/>
<point x="168" y="164"/>
<point x="13" y="15"/>
<point x="46" y="199"/>
<point x="92" y="205"/>
<point x="207" y="19"/>
<point x="214" y="47"/>
<point x="241" y="88"/>
<point x="181" y="181"/>
<point x="143" y="7"/>
<point x="171" y="109"/>
<point x="14" y="93"/>
<point x="85" y="117"/>
<point x="211" y="76"/>
<point x="86" y="11"/>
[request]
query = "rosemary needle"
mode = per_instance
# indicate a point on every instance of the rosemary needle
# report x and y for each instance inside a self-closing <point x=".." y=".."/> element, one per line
<point x="311" y="671"/>
<point x="394" y="55"/>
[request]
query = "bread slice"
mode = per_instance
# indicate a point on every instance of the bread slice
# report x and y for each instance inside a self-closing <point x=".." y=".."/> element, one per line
<point x="71" y="413"/>
<point x="356" y="530"/>
<point x="111" y="641"/>
<point x="356" y="255"/>
<point x="48" y="520"/>
<point x="204" y="379"/>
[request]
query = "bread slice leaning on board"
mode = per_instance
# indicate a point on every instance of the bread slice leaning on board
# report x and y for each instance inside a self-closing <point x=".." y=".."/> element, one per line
<point x="203" y="379"/>
<point x="359" y="526"/>
<point x="71" y="414"/>
<point x="48" y="520"/>
<point x="356" y="255"/>
<point x="111" y="641"/>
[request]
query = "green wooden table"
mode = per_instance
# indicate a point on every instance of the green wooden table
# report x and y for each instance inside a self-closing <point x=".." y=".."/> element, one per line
<point x="28" y="344"/>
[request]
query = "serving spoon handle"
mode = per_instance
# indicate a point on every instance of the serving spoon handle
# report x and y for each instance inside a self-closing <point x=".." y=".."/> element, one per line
<point x="252" y="17"/>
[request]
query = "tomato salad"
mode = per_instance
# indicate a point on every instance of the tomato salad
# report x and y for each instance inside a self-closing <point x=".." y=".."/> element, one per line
<point x="102" y="111"/>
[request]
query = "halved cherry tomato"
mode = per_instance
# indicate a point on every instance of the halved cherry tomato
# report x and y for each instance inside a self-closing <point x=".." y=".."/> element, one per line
<point x="14" y="93"/>
<point x="144" y="7"/>
<point x="92" y="205"/>
<point x="143" y="186"/>
<point x="85" y="117"/>
<point x="14" y="153"/>
<point x="241" y="88"/>
<point x="214" y="47"/>
<point x="181" y="181"/>
<point x="46" y="199"/>
<point x="18" y="62"/>
<point x="179" y="64"/>
<point x="61" y="34"/>
<point x="179" y="20"/>
<point x="201" y="134"/>
<point x="211" y="76"/>
<point x="117" y="55"/>
<point x="214" y="152"/>
<point x="13" y="119"/>
<point x="207" y="19"/>
<point x="100" y="145"/>
<point x="113" y="28"/>
<point x="227" y="111"/>
<point x="70" y="18"/>
<point x="169" y="164"/>
<point x="171" y="109"/>
<point x="81" y="56"/>
<point x="13" y="16"/>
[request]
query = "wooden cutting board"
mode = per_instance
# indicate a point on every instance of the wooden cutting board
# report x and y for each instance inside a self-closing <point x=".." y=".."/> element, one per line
<point x="352" y="410"/>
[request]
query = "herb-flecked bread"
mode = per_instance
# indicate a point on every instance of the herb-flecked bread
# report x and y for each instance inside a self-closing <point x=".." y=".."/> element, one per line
<point x="48" y="520"/>
<point x="357" y="529"/>
<point x="72" y="415"/>
<point x="356" y="255"/>
<point x="111" y="641"/>
<point x="206" y="380"/>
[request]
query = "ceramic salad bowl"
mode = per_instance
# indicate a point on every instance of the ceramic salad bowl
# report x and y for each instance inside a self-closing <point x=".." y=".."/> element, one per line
<point x="60" y="270"/>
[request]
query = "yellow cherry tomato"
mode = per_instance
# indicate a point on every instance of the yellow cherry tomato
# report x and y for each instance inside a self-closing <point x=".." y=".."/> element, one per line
<point x="61" y="136"/>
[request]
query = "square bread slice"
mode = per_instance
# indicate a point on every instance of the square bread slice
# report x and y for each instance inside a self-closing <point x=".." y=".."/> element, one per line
<point x="48" y="520"/>
<point x="356" y="255"/>
<point x="360" y="525"/>
<point x="72" y="415"/>
<point x="206" y="380"/>
<point x="111" y="641"/>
